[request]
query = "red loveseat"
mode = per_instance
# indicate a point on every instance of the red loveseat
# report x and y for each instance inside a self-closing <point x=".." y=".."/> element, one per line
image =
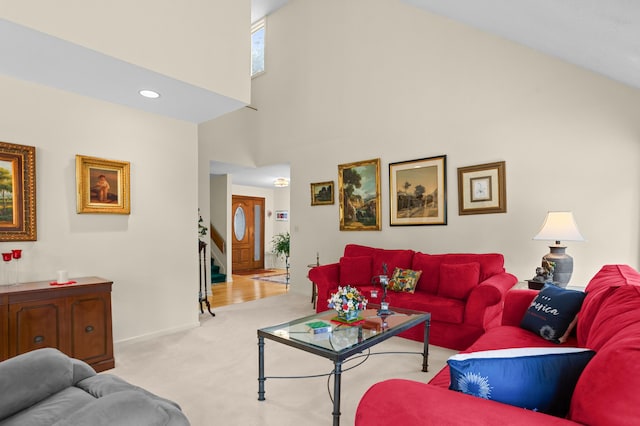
<point x="606" y="392"/>
<point x="463" y="292"/>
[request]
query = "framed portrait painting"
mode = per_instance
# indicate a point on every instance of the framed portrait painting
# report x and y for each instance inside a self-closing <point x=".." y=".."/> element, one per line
<point x="359" y="187"/>
<point x="418" y="191"/>
<point x="102" y="185"/>
<point x="482" y="189"/>
<point x="17" y="192"/>
<point x="322" y="193"/>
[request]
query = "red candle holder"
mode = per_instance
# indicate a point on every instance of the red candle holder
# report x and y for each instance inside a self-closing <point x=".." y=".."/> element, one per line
<point x="16" y="254"/>
<point x="7" y="257"/>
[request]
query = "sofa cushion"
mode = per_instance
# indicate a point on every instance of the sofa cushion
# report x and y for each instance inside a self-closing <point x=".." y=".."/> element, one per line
<point x="540" y="379"/>
<point x="392" y="259"/>
<point x="552" y="312"/>
<point x="430" y="277"/>
<point x="52" y="409"/>
<point x="404" y="280"/>
<point x="441" y="308"/>
<point x="457" y="280"/>
<point x="355" y="270"/>
<point x="607" y="391"/>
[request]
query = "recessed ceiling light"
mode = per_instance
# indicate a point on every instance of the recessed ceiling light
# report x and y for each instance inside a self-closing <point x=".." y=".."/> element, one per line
<point x="149" y="94"/>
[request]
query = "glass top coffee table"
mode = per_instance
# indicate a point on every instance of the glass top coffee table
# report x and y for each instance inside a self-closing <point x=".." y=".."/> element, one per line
<point x="342" y="341"/>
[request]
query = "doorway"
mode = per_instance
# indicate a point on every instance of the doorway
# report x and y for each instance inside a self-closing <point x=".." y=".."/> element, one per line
<point x="247" y="230"/>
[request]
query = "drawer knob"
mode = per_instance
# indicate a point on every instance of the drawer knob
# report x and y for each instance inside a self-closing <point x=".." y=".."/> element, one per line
<point x="38" y="339"/>
<point x="88" y="329"/>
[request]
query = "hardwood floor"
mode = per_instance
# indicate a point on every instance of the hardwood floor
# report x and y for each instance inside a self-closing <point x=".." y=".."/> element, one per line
<point x="244" y="288"/>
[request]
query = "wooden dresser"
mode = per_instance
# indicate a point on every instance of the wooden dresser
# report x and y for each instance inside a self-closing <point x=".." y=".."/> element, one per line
<point x="74" y="318"/>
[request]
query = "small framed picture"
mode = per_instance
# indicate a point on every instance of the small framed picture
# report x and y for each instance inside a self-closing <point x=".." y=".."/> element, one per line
<point x="102" y="185"/>
<point x="282" y="215"/>
<point x="359" y="192"/>
<point x="482" y="189"/>
<point x="322" y="193"/>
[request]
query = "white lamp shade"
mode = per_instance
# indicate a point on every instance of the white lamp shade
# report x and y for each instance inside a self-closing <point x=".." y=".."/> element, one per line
<point x="559" y="226"/>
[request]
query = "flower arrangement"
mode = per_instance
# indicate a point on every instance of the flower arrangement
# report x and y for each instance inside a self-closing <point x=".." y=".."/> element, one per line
<point x="347" y="301"/>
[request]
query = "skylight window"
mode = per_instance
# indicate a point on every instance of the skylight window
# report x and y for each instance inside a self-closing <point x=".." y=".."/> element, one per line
<point x="258" y="31"/>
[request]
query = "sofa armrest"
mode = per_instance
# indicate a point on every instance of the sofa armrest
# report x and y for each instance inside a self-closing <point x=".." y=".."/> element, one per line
<point x="484" y="303"/>
<point x="516" y="303"/>
<point x="423" y="404"/>
<point x="326" y="279"/>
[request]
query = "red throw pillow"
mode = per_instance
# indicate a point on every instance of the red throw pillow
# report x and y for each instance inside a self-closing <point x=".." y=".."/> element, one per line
<point x="456" y="281"/>
<point x="355" y="270"/>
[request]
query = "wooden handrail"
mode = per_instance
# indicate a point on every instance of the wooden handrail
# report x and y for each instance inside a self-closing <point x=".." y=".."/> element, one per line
<point x="216" y="238"/>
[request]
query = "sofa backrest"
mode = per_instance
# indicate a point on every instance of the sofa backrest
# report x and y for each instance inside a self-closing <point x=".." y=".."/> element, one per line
<point x="609" y="323"/>
<point x="600" y="290"/>
<point x="400" y="258"/>
<point x="490" y="264"/>
<point x="31" y="377"/>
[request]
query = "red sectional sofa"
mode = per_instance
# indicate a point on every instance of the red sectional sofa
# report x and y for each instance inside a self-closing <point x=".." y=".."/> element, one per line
<point x="606" y="392"/>
<point x="463" y="292"/>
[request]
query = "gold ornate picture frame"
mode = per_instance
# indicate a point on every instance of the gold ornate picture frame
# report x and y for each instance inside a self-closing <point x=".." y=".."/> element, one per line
<point x="322" y="193"/>
<point x="102" y="185"/>
<point x="482" y="189"/>
<point x="17" y="192"/>
<point x="418" y="192"/>
<point x="359" y="187"/>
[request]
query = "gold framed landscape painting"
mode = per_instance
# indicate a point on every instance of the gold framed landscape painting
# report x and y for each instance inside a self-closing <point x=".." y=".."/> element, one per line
<point x="322" y="193"/>
<point x="359" y="187"/>
<point x="17" y="192"/>
<point x="102" y="185"/>
<point x="482" y="189"/>
<point x="418" y="191"/>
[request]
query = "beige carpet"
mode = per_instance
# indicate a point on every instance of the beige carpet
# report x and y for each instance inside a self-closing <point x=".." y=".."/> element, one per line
<point x="212" y="370"/>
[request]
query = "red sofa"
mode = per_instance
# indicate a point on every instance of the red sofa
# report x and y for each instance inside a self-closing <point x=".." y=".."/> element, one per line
<point x="463" y="292"/>
<point x="606" y="392"/>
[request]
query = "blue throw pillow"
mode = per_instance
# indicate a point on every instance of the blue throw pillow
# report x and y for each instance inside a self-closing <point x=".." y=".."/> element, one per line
<point x="552" y="312"/>
<point x="539" y="379"/>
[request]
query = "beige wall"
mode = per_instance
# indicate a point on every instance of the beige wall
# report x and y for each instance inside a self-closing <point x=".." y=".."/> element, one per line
<point x="350" y="81"/>
<point x="201" y="42"/>
<point x="150" y="254"/>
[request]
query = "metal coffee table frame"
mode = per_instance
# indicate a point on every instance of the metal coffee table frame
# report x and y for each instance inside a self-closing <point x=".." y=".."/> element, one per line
<point x="340" y="356"/>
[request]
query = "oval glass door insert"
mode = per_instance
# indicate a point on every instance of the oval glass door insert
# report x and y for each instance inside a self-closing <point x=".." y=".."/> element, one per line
<point x="239" y="225"/>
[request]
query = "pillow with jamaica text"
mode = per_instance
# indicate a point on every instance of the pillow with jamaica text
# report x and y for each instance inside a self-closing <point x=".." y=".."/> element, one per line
<point x="404" y="280"/>
<point x="551" y="314"/>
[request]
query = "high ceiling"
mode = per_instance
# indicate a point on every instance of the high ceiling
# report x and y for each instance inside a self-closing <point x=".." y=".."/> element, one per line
<point x="600" y="35"/>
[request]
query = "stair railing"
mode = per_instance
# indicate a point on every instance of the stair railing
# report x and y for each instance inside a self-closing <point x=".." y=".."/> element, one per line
<point x="217" y="239"/>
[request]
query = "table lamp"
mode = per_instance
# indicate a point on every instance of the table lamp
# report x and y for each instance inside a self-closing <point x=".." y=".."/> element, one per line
<point x="559" y="226"/>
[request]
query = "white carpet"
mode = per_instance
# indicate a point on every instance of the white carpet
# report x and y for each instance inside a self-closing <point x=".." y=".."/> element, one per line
<point x="212" y="370"/>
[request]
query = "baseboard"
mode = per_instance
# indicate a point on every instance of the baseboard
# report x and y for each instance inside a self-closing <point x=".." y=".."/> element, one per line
<point x="156" y="334"/>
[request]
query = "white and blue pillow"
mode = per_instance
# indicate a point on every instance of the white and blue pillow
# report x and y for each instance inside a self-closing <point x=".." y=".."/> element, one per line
<point x="551" y="314"/>
<point x="540" y="379"/>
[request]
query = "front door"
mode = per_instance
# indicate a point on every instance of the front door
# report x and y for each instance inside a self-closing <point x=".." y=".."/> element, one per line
<point x="247" y="250"/>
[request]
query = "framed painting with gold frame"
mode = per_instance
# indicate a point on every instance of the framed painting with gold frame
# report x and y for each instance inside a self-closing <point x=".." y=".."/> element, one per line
<point x="482" y="189"/>
<point x="418" y="191"/>
<point x="102" y="185"/>
<point x="17" y="192"/>
<point x="322" y="193"/>
<point x="359" y="188"/>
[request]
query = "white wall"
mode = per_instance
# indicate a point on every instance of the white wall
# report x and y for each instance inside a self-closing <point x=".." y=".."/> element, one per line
<point x="350" y="81"/>
<point x="150" y="254"/>
<point x="202" y="42"/>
